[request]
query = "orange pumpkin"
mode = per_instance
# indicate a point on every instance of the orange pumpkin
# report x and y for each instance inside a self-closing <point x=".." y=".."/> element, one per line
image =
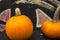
<point x="51" y="28"/>
<point x="19" y="27"/>
<point x="12" y="39"/>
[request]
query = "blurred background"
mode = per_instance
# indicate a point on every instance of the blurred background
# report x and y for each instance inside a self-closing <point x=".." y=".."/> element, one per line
<point x="29" y="10"/>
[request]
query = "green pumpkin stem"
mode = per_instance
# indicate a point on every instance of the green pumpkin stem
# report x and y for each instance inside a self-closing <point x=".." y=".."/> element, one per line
<point x="17" y="11"/>
<point x="56" y="14"/>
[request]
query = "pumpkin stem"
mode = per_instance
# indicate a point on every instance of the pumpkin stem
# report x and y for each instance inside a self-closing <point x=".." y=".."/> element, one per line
<point x="56" y="14"/>
<point x="17" y="11"/>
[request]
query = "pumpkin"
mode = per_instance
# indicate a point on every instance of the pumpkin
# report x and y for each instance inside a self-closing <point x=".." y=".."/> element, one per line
<point x="51" y="28"/>
<point x="19" y="27"/>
